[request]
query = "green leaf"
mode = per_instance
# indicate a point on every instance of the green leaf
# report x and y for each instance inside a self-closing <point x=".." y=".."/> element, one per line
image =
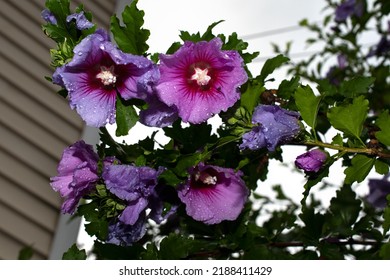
<point x="343" y="212"/>
<point x="196" y="37"/>
<point x="313" y="225"/>
<point x="307" y="103"/>
<point x="126" y="118"/>
<point x="383" y="122"/>
<point x="191" y="138"/>
<point x="60" y="9"/>
<point x="99" y="228"/>
<point x="356" y="86"/>
<point x="26" y="253"/>
<point x="250" y="98"/>
<point x="350" y="118"/>
<point x="175" y="247"/>
<point x="74" y="253"/>
<point x="270" y="65"/>
<point x="287" y="88"/>
<point x="185" y="162"/>
<point x="381" y="167"/>
<point x="386" y="220"/>
<point x="358" y="171"/>
<point x="131" y="37"/>
<point x="384" y="252"/>
<point x="338" y="140"/>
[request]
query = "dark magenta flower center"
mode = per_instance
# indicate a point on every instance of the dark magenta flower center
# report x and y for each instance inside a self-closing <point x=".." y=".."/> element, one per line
<point x="200" y="75"/>
<point x="204" y="179"/>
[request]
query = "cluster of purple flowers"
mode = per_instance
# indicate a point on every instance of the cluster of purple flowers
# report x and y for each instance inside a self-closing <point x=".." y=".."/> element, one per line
<point x="349" y="8"/>
<point x="196" y="82"/>
<point x="212" y="194"/>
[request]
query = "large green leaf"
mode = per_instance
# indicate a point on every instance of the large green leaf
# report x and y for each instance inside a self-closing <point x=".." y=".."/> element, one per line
<point x="74" y="253"/>
<point x="126" y="118"/>
<point x="383" y="122"/>
<point x="131" y="37"/>
<point x="270" y="65"/>
<point x="356" y="86"/>
<point x="251" y="96"/>
<point x="358" y="171"/>
<point x="307" y="103"/>
<point x="350" y="118"/>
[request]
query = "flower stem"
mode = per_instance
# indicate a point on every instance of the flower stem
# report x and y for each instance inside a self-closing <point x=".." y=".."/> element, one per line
<point x="369" y="151"/>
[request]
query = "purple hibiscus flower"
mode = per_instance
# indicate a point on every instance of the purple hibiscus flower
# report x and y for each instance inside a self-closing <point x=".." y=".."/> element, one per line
<point x="81" y="21"/>
<point x="77" y="174"/>
<point x="132" y="184"/>
<point x="158" y="114"/>
<point x="378" y="191"/>
<point x="200" y="79"/>
<point x="48" y="16"/>
<point x="349" y="8"/>
<point x="123" y="234"/>
<point x="274" y="126"/>
<point x="96" y="73"/>
<point x="213" y="194"/>
<point x="311" y="161"/>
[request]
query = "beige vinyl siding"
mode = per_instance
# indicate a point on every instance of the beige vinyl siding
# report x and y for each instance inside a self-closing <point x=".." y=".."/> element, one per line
<point x="36" y="124"/>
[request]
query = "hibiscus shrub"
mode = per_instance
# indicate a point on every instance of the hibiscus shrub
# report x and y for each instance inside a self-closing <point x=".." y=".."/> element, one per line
<point x="196" y="197"/>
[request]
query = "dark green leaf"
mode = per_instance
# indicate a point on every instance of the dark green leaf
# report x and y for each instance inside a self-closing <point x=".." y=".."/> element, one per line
<point x="74" y="253"/>
<point x="344" y="210"/>
<point x="358" y="171"/>
<point x="307" y="103"/>
<point x="338" y="140"/>
<point x="175" y="247"/>
<point x="270" y="65"/>
<point x="356" y="86"/>
<point x="314" y="222"/>
<point x="98" y="228"/>
<point x="381" y="167"/>
<point x="115" y="252"/>
<point x="131" y="37"/>
<point x="190" y="138"/>
<point x="126" y="118"/>
<point x="350" y="118"/>
<point x="386" y="220"/>
<point x="26" y="253"/>
<point x="383" y="122"/>
<point x="196" y="37"/>
<point x="250" y="98"/>
<point x="385" y="251"/>
<point x="287" y="88"/>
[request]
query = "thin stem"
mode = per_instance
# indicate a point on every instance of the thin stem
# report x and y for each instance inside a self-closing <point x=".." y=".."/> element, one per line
<point x="369" y="151"/>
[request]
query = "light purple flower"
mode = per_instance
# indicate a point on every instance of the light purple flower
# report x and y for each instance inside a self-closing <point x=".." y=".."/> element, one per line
<point x="275" y="126"/>
<point x="123" y="234"/>
<point x="311" y="161"/>
<point x="48" y="16"/>
<point x="342" y="61"/>
<point x="77" y="174"/>
<point x="213" y="194"/>
<point x="81" y="21"/>
<point x="200" y="79"/>
<point x="378" y="191"/>
<point x="349" y="8"/>
<point x="96" y="73"/>
<point x="158" y="114"/>
<point x="132" y="184"/>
